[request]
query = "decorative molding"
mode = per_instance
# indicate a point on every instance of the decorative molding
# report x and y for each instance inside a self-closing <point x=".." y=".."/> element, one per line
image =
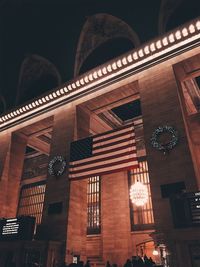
<point x="172" y="43"/>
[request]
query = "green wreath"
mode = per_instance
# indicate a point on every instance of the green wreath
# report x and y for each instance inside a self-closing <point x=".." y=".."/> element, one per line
<point x="57" y="172"/>
<point x="167" y="146"/>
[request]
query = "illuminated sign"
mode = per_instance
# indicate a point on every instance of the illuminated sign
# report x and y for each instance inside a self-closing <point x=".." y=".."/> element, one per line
<point x="20" y="228"/>
<point x="194" y="207"/>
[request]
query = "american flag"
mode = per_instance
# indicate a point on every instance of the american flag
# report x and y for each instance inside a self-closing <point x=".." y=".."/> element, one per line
<point x="104" y="153"/>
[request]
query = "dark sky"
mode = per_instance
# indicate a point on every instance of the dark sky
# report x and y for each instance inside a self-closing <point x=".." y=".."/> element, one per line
<point x="51" y="29"/>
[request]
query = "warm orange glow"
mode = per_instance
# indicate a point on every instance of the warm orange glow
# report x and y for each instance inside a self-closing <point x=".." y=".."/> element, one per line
<point x="114" y="66"/>
<point x="135" y="56"/>
<point x="146" y="50"/>
<point x="198" y="25"/>
<point x="191" y="28"/>
<point x="86" y="79"/>
<point x="158" y="44"/>
<point x="171" y="38"/>
<point x="119" y="63"/>
<point x="178" y="35"/>
<point x="155" y="252"/>
<point x="165" y="41"/>
<point x="139" y="194"/>
<point x="152" y="47"/>
<point x="129" y="58"/>
<point x="77" y="84"/>
<point x="141" y="54"/>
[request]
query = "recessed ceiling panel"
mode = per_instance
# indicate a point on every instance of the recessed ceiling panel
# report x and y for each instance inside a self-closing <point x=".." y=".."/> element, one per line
<point x="128" y="111"/>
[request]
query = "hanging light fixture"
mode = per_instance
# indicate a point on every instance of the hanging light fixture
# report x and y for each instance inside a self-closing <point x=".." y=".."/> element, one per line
<point x="139" y="194"/>
<point x="155" y="252"/>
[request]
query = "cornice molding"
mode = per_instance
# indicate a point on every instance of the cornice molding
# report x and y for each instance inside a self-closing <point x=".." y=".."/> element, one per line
<point x="175" y="42"/>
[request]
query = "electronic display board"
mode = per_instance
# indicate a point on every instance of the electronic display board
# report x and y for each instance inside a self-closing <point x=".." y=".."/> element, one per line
<point x="186" y="209"/>
<point x="19" y="228"/>
<point x="193" y="200"/>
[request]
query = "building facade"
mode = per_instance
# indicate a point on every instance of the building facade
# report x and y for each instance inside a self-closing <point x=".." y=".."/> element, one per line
<point x="155" y="85"/>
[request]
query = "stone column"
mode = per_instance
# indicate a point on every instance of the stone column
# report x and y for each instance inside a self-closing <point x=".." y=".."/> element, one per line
<point x="12" y="156"/>
<point x="77" y="220"/>
<point x="160" y="106"/>
<point x="116" y="228"/>
<point x="5" y="140"/>
<point x="54" y="224"/>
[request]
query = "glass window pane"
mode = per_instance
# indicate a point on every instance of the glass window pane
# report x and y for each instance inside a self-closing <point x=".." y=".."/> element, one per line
<point x="141" y="217"/>
<point x="93" y="203"/>
<point x="31" y="201"/>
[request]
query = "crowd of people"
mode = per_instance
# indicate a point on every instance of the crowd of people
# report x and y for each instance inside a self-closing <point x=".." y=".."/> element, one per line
<point x="138" y="261"/>
<point x="135" y="261"/>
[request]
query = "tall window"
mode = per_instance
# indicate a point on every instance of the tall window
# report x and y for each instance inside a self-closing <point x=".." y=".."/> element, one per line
<point x="31" y="200"/>
<point x="93" y="205"/>
<point x="191" y="95"/>
<point x="141" y="217"/>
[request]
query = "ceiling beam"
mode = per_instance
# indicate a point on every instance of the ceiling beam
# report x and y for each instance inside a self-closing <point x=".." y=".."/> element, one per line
<point x="39" y="145"/>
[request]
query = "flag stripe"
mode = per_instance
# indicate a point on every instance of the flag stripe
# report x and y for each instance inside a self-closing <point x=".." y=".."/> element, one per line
<point x="104" y="172"/>
<point x="119" y="148"/>
<point x="122" y="133"/>
<point x="115" y="152"/>
<point x="108" y="152"/>
<point x="99" y="161"/>
<point x="109" y="141"/>
<point x="109" y="163"/>
<point x="113" y="132"/>
<point x="100" y="171"/>
<point x="118" y="143"/>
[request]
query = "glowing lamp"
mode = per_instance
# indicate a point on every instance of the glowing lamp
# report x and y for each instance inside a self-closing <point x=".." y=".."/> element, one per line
<point x="139" y="194"/>
<point x="155" y="252"/>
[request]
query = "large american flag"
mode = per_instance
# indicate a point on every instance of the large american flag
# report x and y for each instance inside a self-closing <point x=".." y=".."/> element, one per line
<point x="104" y="153"/>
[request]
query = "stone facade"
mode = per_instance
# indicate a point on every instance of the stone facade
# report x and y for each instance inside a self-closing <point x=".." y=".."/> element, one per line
<point x="160" y="94"/>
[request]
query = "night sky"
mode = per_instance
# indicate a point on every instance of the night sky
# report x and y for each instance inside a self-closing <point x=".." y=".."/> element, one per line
<point x="51" y="29"/>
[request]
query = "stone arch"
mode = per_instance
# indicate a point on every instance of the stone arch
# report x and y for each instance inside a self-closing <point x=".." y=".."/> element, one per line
<point x="97" y="30"/>
<point x="37" y="75"/>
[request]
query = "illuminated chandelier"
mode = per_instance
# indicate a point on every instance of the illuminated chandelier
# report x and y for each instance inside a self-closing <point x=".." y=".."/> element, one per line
<point x="139" y="194"/>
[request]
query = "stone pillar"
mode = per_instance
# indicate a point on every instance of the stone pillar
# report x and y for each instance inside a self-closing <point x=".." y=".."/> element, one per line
<point x="186" y="70"/>
<point x="12" y="156"/>
<point x="58" y="187"/>
<point x="161" y="106"/>
<point x="77" y="220"/>
<point x="159" y="94"/>
<point x="5" y="140"/>
<point x="115" y="216"/>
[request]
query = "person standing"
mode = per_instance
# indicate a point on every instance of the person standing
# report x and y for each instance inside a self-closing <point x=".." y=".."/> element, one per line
<point x="108" y="264"/>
